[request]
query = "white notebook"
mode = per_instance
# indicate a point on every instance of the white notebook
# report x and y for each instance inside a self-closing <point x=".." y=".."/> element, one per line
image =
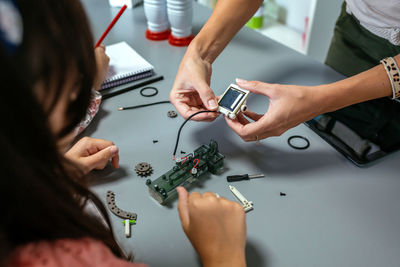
<point x="126" y="65"/>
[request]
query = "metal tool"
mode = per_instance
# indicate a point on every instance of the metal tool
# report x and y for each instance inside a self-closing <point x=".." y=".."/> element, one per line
<point x="247" y="205"/>
<point x="236" y="178"/>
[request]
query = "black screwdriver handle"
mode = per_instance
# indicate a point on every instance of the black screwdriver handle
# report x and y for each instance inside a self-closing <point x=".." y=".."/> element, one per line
<point x="236" y="178"/>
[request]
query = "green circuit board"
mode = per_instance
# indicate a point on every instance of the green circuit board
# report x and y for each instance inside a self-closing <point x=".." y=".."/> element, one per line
<point x="204" y="159"/>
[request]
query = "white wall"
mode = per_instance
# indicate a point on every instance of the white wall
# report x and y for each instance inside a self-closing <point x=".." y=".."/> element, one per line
<point x="322" y="14"/>
<point x="294" y="12"/>
<point x="326" y="14"/>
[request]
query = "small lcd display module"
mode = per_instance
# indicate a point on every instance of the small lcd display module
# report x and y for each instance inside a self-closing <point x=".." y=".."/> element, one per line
<point x="231" y="98"/>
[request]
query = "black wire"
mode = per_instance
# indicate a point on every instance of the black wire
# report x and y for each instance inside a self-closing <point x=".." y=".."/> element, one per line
<point x="183" y="124"/>
<point x="145" y="105"/>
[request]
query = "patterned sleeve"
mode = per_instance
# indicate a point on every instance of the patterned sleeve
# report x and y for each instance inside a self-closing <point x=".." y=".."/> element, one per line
<point x="67" y="252"/>
<point x="94" y="106"/>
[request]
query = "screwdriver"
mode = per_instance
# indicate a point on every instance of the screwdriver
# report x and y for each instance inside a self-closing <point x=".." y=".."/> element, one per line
<point x="236" y="178"/>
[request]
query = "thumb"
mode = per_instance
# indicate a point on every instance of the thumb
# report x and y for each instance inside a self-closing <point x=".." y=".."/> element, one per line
<point x="207" y="96"/>
<point x="183" y="206"/>
<point x="256" y="87"/>
<point x="101" y="158"/>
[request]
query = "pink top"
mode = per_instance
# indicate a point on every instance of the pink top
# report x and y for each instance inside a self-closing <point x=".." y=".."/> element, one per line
<point x="66" y="253"/>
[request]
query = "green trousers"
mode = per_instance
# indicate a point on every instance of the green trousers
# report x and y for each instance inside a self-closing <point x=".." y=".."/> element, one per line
<point x="354" y="49"/>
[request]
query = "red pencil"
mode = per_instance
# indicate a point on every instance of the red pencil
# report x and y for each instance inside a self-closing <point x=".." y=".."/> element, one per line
<point x="110" y="26"/>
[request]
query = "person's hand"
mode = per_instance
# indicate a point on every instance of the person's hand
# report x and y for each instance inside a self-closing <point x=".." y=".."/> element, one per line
<point x="289" y="105"/>
<point x="102" y="61"/>
<point x="191" y="91"/>
<point x="215" y="226"/>
<point x="93" y="154"/>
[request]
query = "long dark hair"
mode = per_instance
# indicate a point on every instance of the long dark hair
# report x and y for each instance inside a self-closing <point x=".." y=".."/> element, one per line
<point x="39" y="196"/>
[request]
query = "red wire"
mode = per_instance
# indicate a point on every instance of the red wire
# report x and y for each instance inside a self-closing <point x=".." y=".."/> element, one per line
<point x="110" y="26"/>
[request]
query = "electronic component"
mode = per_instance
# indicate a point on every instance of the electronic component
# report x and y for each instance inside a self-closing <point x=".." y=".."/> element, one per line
<point x="233" y="101"/>
<point x="144" y="169"/>
<point x="236" y="178"/>
<point x="172" y="114"/>
<point x="129" y="217"/>
<point x="247" y="205"/>
<point x="186" y="171"/>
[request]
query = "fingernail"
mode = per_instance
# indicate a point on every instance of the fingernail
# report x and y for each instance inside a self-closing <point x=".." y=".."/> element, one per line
<point x="212" y="104"/>
<point x="238" y="80"/>
<point x="113" y="150"/>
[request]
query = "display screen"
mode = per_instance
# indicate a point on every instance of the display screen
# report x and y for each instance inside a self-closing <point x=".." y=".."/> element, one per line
<point x="231" y="99"/>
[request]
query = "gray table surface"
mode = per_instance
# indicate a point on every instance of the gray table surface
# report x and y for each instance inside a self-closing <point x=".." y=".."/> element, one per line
<point x="334" y="214"/>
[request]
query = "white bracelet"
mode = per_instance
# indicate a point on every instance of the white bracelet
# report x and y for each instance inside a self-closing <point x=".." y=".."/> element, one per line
<point x="392" y="71"/>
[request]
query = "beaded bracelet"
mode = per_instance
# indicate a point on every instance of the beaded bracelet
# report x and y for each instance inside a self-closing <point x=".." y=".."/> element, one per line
<point x="394" y="75"/>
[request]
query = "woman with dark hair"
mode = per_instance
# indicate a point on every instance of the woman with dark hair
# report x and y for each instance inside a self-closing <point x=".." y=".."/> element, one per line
<point x="48" y="69"/>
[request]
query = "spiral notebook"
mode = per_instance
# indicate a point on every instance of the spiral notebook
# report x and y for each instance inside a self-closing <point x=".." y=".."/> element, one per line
<point x="126" y="65"/>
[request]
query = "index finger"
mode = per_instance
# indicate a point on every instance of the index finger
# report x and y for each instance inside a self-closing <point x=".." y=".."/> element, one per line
<point x="98" y="144"/>
<point x="183" y="206"/>
<point x="186" y="111"/>
<point x="115" y="161"/>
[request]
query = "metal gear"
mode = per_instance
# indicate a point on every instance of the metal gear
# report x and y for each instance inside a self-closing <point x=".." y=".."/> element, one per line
<point x="172" y="114"/>
<point x="144" y="169"/>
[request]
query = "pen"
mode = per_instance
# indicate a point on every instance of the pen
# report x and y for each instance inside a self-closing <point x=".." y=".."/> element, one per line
<point x="110" y="26"/>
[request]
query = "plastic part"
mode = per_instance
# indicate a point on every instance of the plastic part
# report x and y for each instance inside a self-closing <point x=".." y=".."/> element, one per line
<point x="177" y="41"/>
<point x="247" y="205"/>
<point x="130" y="222"/>
<point x="127" y="228"/>
<point x="157" y="36"/>
<point x="255" y="23"/>
<point x="163" y="189"/>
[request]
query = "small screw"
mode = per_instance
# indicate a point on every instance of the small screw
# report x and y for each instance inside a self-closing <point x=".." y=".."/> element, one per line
<point x="282" y="194"/>
<point x="183" y="152"/>
<point x="155" y="141"/>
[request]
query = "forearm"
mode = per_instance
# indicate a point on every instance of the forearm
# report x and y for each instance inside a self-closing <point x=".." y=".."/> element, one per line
<point x="228" y="18"/>
<point x="231" y="260"/>
<point x="368" y="85"/>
